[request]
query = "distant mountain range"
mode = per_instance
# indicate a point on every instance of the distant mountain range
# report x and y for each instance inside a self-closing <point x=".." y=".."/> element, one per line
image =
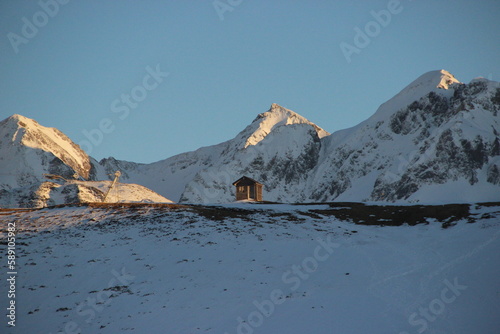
<point x="436" y="141"/>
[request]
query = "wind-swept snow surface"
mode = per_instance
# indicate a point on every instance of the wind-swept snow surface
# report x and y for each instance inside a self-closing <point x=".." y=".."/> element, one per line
<point x="246" y="268"/>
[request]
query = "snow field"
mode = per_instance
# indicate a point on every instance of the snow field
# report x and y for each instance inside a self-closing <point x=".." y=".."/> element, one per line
<point x="252" y="269"/>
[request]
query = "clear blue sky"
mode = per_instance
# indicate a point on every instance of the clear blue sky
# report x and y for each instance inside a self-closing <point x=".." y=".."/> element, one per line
<point x="222" y="73"/>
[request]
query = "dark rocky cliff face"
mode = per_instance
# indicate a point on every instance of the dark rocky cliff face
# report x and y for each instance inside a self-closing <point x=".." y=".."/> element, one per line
<point x="444" y="136"/>
<point x="447" y="145"/>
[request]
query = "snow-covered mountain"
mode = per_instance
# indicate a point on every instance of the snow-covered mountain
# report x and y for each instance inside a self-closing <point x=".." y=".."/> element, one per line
<point x="29" y="150"/>
<point x="435" y="141"/>
<point x="280" y="148"/>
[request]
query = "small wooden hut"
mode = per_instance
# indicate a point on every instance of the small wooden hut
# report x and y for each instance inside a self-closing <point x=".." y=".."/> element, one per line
<point x="248" y="189"/>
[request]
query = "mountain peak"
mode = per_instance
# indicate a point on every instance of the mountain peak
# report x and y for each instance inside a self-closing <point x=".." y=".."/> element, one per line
<point x="275" y="117"/>
<point x="16" y="118"/>
<point x="446" y="79"/>
<point x="27" y="133"/>
<point x="274" y="106"/>
<point x="277" y="111"/>
<point x="440" y="79"/>
<point x="16" y="126"/>
<point x="277" y="108"/>
<point x="440" y="82"/>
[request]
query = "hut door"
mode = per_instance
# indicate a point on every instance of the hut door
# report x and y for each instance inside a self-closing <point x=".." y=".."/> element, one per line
<point x="252" y="192"/>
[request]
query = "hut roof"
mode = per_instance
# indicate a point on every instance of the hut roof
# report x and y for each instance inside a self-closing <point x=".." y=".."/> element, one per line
<point x="246" y="181"/>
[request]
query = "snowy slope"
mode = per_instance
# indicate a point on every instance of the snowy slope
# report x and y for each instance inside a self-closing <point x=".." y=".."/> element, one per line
<point x="439" y="82"/>
<point x="252" y="269"/>
<point x="444" y="140"/>
<point x="94" y="191"/>
<point x="29" y="150"/>
<point x="49" y="193"/>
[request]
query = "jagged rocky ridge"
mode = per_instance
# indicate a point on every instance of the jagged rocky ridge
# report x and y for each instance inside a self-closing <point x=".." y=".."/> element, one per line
<point x="435" y="141"/>
<point x="442" y="146"/>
